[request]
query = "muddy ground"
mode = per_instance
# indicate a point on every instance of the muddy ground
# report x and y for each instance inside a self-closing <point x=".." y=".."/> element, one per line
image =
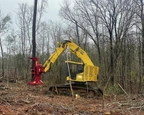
<point x="21" y="99"/>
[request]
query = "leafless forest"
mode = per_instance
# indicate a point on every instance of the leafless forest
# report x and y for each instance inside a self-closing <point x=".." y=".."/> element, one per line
<point x="110" y="31"/>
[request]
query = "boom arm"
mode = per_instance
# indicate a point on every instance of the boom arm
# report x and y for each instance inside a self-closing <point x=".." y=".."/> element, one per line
<point x="53" y="58"/>
<point x="79" y="52"/>
<point x="74" y="48"/>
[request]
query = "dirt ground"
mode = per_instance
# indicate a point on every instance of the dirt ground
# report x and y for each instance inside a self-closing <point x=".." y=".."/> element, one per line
<point x="21" y="99"/>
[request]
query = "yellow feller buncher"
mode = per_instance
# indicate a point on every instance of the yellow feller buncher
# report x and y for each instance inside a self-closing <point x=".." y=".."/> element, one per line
<point x="79" y="74"/>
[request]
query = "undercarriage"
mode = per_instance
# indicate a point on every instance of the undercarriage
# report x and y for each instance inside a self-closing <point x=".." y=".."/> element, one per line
<point x="82" y="90"/>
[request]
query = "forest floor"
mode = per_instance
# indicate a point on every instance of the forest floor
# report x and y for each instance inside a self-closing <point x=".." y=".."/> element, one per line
<point x="21" y="99"/>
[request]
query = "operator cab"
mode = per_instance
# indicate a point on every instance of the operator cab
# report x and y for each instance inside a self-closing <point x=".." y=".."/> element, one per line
<point x="74" y="70"/>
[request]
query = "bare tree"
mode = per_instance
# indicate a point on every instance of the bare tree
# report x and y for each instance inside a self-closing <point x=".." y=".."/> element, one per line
<point x="105" y="22"/>
<point x="5" y="21"/>
<point x="24" y="22"/>
<point x="83" y="15"/>
<point x="140" y="25"/>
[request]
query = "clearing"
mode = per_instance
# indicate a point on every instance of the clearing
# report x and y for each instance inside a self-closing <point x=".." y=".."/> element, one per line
<point x="21" y="99"/>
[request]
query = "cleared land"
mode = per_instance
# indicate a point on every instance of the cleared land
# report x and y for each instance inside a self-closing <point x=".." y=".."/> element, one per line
<point x="21" y="99"/>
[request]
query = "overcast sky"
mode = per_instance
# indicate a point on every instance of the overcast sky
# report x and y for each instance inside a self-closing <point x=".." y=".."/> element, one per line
<point x="10" y="6"/>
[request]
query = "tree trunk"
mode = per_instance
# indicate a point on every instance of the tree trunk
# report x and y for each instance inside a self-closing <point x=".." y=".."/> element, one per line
<point x="77" y="32"/>
<point x="142" y="22"/>
<point x="34" y="35"/>
<point x="3" y="74"/>
<point x="111" y="60"/>
<point x="140" y="84"/>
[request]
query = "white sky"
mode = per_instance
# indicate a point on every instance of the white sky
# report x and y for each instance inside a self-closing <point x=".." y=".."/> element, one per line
<point x="10" y="6"/>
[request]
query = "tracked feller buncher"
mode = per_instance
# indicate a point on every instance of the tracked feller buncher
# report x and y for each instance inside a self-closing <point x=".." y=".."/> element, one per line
<point x="79" y="74"/>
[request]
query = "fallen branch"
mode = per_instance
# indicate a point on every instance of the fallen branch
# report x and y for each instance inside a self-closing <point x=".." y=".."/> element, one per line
<point x="122" y="89"/>
<point x="110" y="104"/>
<point x="24" y="101"/>
<point x="138" y="107"/>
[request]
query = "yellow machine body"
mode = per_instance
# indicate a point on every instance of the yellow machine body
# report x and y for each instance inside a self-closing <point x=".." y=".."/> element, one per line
<point x="77" y="72"/>
<point x="89" y="71"/>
